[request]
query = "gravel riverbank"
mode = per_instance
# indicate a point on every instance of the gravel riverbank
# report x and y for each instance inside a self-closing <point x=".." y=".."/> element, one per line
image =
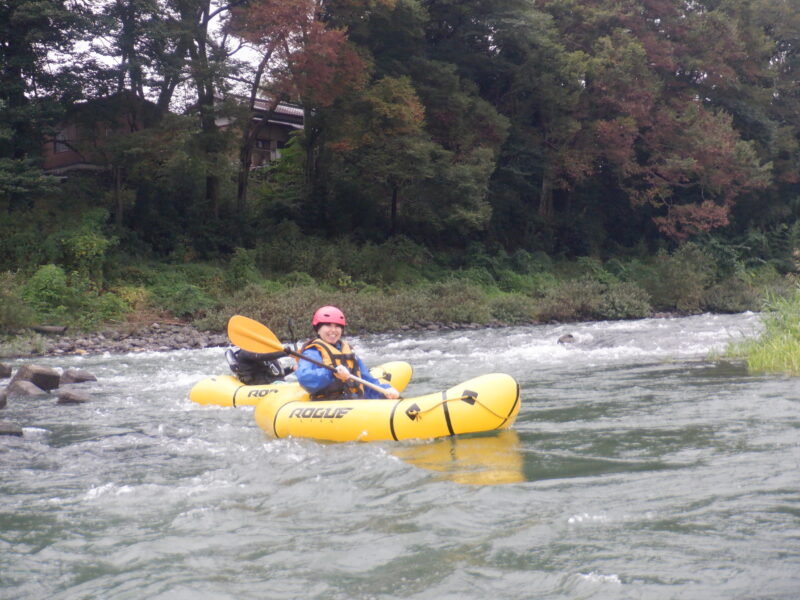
<point x="155" y="337"/>
<point x="158" y="337"/>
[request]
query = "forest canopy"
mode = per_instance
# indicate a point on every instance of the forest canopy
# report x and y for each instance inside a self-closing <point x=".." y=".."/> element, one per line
<point x="571" y="128"/>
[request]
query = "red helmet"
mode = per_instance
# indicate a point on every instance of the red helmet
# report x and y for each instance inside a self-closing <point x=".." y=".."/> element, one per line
<point x="328" y="314"/>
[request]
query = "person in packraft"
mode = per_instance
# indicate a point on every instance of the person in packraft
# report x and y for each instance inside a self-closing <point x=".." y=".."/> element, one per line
<point x="329" y="348"/>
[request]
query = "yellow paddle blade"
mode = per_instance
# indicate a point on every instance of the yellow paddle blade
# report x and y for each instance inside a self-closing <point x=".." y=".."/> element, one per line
<point x="252" y="336"/>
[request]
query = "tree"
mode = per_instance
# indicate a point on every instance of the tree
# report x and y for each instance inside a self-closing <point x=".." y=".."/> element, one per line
<point x="620" y="82"/>
<point x="147" y="44"/>
<point x="419" y="134"/>
<point x="381" y="141"/>
<point x="697" y="168"/>
<point x="30" y="87"/>
<point x="300" y="59"/>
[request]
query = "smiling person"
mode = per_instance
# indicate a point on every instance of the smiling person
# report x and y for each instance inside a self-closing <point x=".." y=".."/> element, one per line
<point x="329" y="348"/>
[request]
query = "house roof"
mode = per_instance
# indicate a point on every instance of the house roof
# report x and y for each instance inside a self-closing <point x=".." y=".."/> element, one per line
<point x="283" y="108"/>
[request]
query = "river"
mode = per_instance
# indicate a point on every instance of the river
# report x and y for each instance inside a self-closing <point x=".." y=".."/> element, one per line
<point x="638" y="468"/>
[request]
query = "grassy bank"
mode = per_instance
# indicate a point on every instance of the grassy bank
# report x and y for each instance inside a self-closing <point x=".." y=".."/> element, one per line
<point x="777" y="349"/>
<point x="381" y="288"/>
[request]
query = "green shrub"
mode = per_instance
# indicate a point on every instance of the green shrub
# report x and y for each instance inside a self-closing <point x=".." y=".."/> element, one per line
<point x="455" y="301"/>
<point x="542" y="283"/>
<point x="513" y="309"/>
<point x="84" y="252"/>
<point x="140" y="274"/>
<point x="679" y="281"/>
<point x="82" y="248"/>
<point x="15" y="312"/>
<point x="732" y="296"/>
<point x="476" y="276"/>
<point x="283" y="249"/>
<point x="48" y="293"/>
<point x="624" y="301"/>
<point x="478" y="256"/>
<point x="633" y="270"/>
<point x="182" y="299"/>
<point x="523" y="262"/>
<point x="592" y="268"/>
<point x="397" y="260"/>
<point x="241" y="270"/>
<point x="102" y="308"/>
<point x="510" y="281"/>
<point x="135" y="297"/>
<point x="74" y="302"/>
<point x="402" y="249"/>
<point x="572" y="300"/>
<point x="273" y="307"/>
<point x="207" y="276"/>
<point x="297" y="279"/>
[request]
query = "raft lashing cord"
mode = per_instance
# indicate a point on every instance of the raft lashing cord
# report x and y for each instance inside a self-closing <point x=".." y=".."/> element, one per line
<point x="414" y="412"/>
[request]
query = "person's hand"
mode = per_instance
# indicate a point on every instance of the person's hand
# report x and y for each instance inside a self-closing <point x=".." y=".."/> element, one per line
<point x="391" y="393"/>
<point x="342" y="373"/>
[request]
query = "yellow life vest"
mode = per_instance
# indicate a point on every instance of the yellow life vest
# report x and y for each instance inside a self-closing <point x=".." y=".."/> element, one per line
<point x="333" y="357"/>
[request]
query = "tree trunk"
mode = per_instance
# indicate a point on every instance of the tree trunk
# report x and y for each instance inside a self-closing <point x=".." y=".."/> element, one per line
<point x="546" y="199"/>
<point x="202" y="76"/>
<point x="118" y="201"/>
<point x="243" y="178"/>
<point x="393" y="216"/>
<point x="250" y="132"/>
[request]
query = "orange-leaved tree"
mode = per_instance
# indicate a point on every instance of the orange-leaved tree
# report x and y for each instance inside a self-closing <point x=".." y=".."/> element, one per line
<point x="301" y="59"/>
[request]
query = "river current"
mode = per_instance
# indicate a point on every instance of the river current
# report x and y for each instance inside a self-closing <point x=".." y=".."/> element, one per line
<point x="639" y="467"/>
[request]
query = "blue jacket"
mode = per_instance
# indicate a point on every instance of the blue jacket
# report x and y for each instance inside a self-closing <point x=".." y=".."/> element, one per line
<point x="314" y="378"/>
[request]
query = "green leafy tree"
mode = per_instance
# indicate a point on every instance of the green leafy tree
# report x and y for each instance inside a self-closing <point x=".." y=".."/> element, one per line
<point x="31" y="85"/>
<point x="382" y="142"/>
<point x="419" y="134"/>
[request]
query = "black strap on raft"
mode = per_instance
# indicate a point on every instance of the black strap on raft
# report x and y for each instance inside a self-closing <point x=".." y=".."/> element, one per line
<point x="446" y="410"/>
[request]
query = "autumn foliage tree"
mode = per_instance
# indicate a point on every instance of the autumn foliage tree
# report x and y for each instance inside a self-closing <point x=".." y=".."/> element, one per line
<point x="301" y="59"/>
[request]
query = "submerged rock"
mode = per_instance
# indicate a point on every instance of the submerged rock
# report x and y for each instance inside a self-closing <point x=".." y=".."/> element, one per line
<point x="9" y="428"/>
<point x="72" y="397"/>
<point x="76" y="376"/>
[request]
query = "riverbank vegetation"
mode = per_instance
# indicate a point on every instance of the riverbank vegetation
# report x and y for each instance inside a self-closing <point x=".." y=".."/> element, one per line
<point x="385" y="287"/>
<point x="777" y="349"/>
<point x="470" y="162"/>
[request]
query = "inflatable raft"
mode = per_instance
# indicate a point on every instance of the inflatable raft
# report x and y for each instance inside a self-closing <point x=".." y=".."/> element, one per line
<point x="484" y="403"/>
<point x="227" y="390"/>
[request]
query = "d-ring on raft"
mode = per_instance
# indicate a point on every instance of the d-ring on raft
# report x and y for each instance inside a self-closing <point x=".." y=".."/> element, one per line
<point x="485" y="403"/>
